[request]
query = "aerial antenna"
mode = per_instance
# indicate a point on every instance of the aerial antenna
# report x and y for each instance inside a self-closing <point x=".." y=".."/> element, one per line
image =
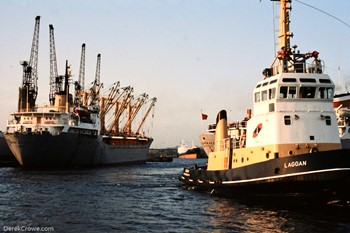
<point x="326" y="13"/>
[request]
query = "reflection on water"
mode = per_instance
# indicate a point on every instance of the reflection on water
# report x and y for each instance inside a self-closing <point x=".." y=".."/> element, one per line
<point x="149" y="198"/>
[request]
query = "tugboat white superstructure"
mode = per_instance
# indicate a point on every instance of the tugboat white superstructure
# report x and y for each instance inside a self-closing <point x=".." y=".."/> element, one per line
<point x="291" y="143"/>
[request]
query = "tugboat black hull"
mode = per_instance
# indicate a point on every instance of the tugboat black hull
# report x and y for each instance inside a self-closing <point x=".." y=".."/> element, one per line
<point x="320" y="173"/>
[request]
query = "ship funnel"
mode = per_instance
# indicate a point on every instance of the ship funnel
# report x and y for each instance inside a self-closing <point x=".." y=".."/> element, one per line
<point x="221" y="134"/>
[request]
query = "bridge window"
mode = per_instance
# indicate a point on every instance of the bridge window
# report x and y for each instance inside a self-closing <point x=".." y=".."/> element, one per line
<point x="307" y="92"/>
<point x="287" y="120"/>
<point x="264" y="95"/>
<point x="273" y="81"/>
<point x="283" y="92"/>
<point x="288" y="92"/>
<point x="272" y="93"/>
<point x="325" y="80"/>
<point x="325" y="93"/>
<point x="289" y="80"/>
<point x="257" y="97"/>
<point x="292" y="93"/>
<point x="307" y="80"/>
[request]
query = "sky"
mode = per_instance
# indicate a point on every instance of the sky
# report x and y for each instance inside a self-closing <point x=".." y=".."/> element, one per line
<point x="194" y="56"/>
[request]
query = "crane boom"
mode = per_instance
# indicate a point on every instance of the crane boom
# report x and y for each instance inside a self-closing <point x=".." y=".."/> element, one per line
<point x="133" y="110"/>
<point x="29" y="89"/>
<point x="98" y="70"/>
<point x="33" y="60"/>
<point x="121" y="106"/>
<point x="81" y="81"/>
<point x="153" y="101"/>
<point x="54" y="86"/>
<point x="80" y="95"/>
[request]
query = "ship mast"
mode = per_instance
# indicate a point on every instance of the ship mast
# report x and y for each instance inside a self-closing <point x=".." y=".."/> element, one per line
<point x="290" y="61"/>
<point x="284" y="34"/>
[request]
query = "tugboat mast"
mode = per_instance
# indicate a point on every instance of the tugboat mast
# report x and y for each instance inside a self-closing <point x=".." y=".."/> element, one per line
<point x="290" y="61"/>
<point x="284" y="33"/>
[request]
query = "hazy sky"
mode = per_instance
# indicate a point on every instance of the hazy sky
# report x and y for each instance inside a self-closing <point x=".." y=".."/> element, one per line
<point x="193" y="55"/>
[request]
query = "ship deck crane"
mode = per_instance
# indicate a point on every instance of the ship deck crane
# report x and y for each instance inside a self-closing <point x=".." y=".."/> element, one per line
<point x="107" y="104"/>
<point x="55" y="80"/>
<point x="132" y="112"/>
<point x="28" y="92"/>
<point x="79" y="85"/>
<point x="120" y="107"/>
<point x="153" y="101"/>
<point x="95" y="89"/>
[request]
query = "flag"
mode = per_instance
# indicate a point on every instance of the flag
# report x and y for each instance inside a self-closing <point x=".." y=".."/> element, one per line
<point x="204" y="116"/>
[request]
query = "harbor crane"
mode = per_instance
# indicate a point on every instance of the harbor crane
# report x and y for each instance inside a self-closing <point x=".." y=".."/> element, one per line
<point x="82" y="68"/>
<point x="132" y="111"/>
<point x="152" y="104"/>
<point x="28" y="92"/>
<point x="56" y="82"/>
<point x="80" y="95"/>
<point x="95" y="89"/>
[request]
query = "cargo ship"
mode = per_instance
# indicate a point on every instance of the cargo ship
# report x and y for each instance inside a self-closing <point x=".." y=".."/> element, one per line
<point x="6" y="157"/>
<point x="74" y="131"/>
<point x="186" y="152"/>
<point x="290" y="145"/>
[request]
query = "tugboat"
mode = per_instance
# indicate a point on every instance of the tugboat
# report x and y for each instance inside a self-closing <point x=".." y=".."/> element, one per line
<point x="290" y="145"/>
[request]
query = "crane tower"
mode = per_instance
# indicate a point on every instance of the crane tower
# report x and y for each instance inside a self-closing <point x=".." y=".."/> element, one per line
<point x="55" y="80"/>
<point x="82" y="68"/>
<point x="29" y="89"/>
<point x="98" y="70"/>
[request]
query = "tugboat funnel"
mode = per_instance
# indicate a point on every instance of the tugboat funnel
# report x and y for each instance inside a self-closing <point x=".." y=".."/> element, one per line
<point x="221" y="134"/>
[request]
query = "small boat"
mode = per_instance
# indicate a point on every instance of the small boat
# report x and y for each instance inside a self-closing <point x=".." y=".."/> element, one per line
<point x="160" y="158"/>
<point x="186" y="152"/>
<point x="291" y="144"/>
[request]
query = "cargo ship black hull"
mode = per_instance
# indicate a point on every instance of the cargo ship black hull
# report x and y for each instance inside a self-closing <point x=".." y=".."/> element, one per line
<point x="320" y="173"/>
<point x="69" y="150"/>
<point x="6" y="157"/>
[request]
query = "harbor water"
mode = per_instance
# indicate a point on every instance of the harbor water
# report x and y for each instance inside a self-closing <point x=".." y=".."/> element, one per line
<point x="148" y="198"/>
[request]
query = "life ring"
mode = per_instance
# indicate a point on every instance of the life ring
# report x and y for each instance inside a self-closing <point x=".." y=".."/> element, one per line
<point x="257" y="130"/>
<point x="313" y="150"/>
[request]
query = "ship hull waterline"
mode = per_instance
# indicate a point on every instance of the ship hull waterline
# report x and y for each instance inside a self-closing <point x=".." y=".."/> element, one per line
<point x="320" y="173"/>
<point x="75" y="150"/>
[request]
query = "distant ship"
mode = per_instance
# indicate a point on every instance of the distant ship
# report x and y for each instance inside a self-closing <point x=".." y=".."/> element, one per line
<point x="290" y="145"/>
<point x="186" y="152"/>
<point x="75" y="132"/>
<point x="341" y="104"/>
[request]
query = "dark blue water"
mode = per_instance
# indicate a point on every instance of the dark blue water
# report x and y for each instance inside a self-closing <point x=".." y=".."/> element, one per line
<point x="147" y="198"/>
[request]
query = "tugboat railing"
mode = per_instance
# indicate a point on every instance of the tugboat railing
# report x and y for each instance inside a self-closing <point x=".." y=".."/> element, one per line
<point x="223" y="144"/>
